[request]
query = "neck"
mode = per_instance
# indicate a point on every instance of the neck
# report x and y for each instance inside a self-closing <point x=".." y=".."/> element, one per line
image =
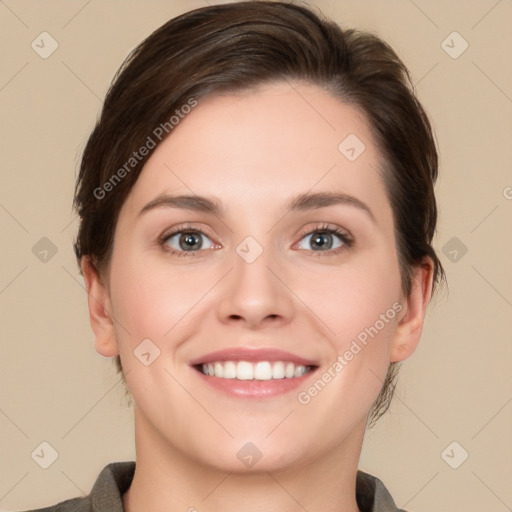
<point x="167" y="479"/>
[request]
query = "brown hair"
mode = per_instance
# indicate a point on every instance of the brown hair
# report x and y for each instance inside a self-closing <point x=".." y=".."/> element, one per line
<point x="233" y="47"/>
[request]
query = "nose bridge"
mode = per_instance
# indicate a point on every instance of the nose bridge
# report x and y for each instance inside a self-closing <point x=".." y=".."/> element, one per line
<point x="253" y="293"/>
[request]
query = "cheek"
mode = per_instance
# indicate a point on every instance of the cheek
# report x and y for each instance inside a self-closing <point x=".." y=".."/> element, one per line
<point x="352" y="298"/>
<point x="150" y="298"/>
<point x="361" y="312"/>
<point x="368" y="317"/>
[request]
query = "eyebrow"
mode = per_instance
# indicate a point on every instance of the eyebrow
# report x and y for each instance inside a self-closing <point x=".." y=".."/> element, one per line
<point x="301" y="203"/>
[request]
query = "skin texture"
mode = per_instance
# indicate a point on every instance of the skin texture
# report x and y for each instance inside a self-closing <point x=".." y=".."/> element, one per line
<point x="253" y="152"/>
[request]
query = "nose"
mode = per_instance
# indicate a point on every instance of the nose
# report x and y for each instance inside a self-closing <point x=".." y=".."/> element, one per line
<point x="256" y="295"/>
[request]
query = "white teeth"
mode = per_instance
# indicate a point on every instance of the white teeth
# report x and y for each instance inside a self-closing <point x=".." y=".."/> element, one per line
<point x="219" y="370"/>
<point x="229" y="370"/>
<point x="244" y="370"/>
<point x="300" y="370"/>
<point x="278" y="370"/>
<point x="261" y="370"/>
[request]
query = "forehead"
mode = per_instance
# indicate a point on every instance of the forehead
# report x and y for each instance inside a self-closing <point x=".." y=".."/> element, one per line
<point x="279" y="140"/>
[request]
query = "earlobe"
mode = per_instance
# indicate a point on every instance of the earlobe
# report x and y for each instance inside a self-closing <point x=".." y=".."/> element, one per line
<point x="100" y="310"/>
<point x="410" y="326"/>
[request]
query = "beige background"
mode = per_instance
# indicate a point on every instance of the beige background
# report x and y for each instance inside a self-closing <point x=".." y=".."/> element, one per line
<point x="456" y="387"/>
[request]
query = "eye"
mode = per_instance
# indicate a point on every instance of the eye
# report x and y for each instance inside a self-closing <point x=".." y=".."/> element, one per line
<point x="183" y="241"/>
<point x="326" y="239"/>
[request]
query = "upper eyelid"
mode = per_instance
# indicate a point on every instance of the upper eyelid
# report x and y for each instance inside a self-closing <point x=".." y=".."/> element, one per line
<point x="187" y="226"/>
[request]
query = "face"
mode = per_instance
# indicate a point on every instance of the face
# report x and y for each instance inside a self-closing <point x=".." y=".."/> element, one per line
<point x="282" y="281"/>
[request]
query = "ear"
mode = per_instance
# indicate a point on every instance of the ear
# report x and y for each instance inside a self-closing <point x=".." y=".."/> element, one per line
<point x="408" y="331"/>
<point x="100" y="310"/>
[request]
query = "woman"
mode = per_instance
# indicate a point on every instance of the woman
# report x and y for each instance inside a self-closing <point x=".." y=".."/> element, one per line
<point x="256" y="217"/>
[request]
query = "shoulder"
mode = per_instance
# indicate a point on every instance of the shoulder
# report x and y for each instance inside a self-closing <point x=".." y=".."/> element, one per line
<point x="71" y="505"/>
<point x="372" y="495"/>
<point x="106" y="493"/>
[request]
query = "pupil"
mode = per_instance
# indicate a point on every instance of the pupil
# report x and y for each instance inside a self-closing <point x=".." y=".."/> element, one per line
<point x="189" y="241"/>
<point x="320" y="240"/>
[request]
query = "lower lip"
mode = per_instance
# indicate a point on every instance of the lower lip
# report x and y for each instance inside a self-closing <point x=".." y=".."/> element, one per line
<point x="255" y="388"/>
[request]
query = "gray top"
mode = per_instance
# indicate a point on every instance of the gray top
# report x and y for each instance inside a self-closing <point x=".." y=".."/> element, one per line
<point x="115" y="479"/>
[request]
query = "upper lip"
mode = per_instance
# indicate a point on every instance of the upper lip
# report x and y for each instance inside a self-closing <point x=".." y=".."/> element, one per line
<point x="252" y="354"/>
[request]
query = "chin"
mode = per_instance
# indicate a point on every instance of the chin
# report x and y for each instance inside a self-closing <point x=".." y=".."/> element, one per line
<point x="249" y="459"/>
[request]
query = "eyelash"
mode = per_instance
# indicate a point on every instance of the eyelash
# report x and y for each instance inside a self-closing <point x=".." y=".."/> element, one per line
<point x="344" y="237"/>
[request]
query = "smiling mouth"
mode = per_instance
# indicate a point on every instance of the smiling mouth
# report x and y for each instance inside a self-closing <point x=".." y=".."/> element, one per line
<point x="261" y="370"/>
